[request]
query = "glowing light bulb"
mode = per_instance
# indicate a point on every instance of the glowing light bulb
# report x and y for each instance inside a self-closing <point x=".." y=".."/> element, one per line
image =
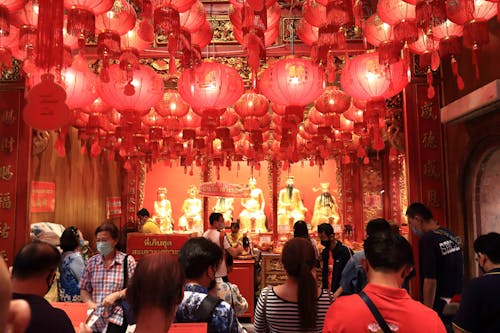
<point x="331" y="101"/>
<point x="173" y="106"/>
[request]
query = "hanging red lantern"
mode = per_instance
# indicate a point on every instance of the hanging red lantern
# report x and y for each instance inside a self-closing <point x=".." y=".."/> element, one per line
<point x="202" y="36"/>
<point x="211" y="85"/>
<point x="402" y="16"/>
<point x="7" y="7"/>
<point x="381" y="35"/>
<point x="80" y="84"/>
<point x="430" y="13"/>
<point x="192" y="19"/>
<point x="292" y="82"/>
<point x="314" y="13"/>
<point x="140" y="37"/>
<point x="354" y="114"/>
<point x="307" y="33"/>
<point x="333" y="100"/>
<point x="134" y="96"/>
<point x="172" y="105"/>
<point x="251" y="104"/>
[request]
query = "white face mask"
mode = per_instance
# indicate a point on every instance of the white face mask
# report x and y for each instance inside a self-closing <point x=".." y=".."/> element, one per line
<point x="104" y="248"/>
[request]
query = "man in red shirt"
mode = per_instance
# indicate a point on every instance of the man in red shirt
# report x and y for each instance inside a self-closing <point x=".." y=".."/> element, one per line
<point x="390" y="260"/>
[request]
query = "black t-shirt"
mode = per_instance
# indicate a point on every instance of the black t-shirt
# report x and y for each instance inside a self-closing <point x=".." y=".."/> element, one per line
<point x="44" y="317"/>
<point x="480" y="304"/>
<point x="441" y="259"/>
<point x="341" y="255"/>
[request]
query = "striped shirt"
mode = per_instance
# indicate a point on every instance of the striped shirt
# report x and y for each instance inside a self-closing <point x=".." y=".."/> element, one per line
<point x="281" y="316"/>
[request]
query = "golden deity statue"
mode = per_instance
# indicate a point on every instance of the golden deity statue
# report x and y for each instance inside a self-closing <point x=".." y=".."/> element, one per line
<point x="252" y="217"/>
<point x="290" y="206"/>
<point x="192" y="209"/>
<point x="225" y="207"/>
<point x="325" y="208"/>
<point x="163" y="211"/>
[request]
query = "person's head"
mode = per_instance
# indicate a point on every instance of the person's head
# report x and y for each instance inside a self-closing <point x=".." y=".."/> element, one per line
<point x="143" y="215"/>
<point x="107" y="237"/>
<point x="420" y="218"/>
<point x="377" y="225"/>
<point x="36" y="263"/>
<point x="217" y="220"/>
<point x="325" y="187"/>
<point x="200" y="258"/>
<point x="252" y="181"/>
<point x="235" y="228"/>
<point x="300" y="229"/>
<point x="161" y="193"/>
<point x="487" y="248"/>
<point x="300" y="263"/>
<point x="192" y="191"/>
<point x="14" y="314"/>
<point x="70" y="239"/>
<point x="326" y="234"/>
<point x="389" y="253"/>
<point x="165" y="294"/>
<point x="289" y="181"/>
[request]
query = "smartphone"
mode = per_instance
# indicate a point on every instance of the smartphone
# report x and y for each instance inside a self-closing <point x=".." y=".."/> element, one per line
<point x="92" y="317"/>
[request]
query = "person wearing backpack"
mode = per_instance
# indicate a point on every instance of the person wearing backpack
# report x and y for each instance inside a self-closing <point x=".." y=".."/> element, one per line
<point x="200" y="259"/>
<point x="353" y="278"/>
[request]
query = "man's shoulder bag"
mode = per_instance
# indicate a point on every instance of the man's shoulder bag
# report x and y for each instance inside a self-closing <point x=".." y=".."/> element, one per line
<point x="204" y="311"/>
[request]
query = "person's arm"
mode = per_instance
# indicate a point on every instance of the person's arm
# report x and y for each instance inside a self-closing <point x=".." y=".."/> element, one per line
<point x="240" y="304"/>
<point x="429" y="292"/>
<point x="338" y="292"/>
<point x="77" y="266"/>
<point x="87" y="298"/>
<point x="457" y="329"/>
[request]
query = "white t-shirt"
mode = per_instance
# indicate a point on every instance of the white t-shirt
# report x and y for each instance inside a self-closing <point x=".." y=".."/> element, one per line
<point x="213" y="235"/>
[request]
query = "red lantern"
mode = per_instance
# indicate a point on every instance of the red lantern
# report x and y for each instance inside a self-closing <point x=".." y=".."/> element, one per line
<point x="202" y="36"/>
<point x="172" y="105"/>
<point x="364" y="78"/>
<point x="402" y="16"/>
<point x="314" y="13"/>
<point x="119" y="19"/>
<point x="307" y="33"/>
<point x="333" y="100"/>
<point x="140" y="37"/>
<point x="80" y="85"/>
<point x="7" y="7"/>
<point x="192" y="19"/>
<point x="179" y="5"/>
<point x="354" y="114"/>
<point x="292" y="81"/>
<point x="380" y="34"/>
<point x="134" y="96"/>
<point x="211" y="85"/>
<point x="251" y="104"/>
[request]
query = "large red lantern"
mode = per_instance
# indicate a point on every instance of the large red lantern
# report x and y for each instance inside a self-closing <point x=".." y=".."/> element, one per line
<point x="192" y="19"/>
<point x="172" y="105"/>
<point x="307" y="32"/>
<point x="381" y="35"/>
<point x="402" y="16"/>
<point x="292" y="82"/>
<point x="134" y="96"/>
<point x="211" y="85"/>
<point x="80" y="84"/>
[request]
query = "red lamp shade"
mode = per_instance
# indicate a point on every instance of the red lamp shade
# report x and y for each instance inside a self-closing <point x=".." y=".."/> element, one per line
<point x="251" y="104"/>
<point x="80" y="86"/>
<point x="7" y="7"/>
<point x="179" y="5"/>
<point x="462" y="11"/>
<point x="211" y="85"/>
<point x="292" y="81"/>
<point x="136" y="96"/>
<point x="314" y="13"/>
<point x="120" y="18"/>
<point x="380" y="34"/>
<point x="140" y="37"/>
<point x="364" y="78"/>
<point x="192" y="19"/>
<point x="354" y="114"/>
<point x="307" y="33"/>
<point x="191" y="120"/>
<point x="202" y="36"/>
<point x="333" y="100"/>
<point x="447" y="29"/>
<point x="172" y="105"/>
<point x="402" y="16"/>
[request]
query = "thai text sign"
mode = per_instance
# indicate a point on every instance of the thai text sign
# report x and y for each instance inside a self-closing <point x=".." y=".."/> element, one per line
<point x="139" y="244"/>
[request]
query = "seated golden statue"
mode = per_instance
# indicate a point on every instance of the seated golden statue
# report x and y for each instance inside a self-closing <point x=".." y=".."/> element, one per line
<point x="290" y="207"/>
<point x="163" y="211"/>
<point x="252" y="217"/>
<point x="192" y="209"/>
<point x="225" y="207"/>
<point x="325" y="208"/>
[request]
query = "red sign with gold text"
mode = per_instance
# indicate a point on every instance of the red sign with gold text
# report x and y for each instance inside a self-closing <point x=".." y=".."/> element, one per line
<point x="139" y="244"/>
<point x="10" y="122"/>
<point x="43" y="197"/>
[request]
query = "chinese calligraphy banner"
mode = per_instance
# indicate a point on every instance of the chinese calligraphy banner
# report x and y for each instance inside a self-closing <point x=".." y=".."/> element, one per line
<point x="113" y="207"/>
<point x="43" y="197"/>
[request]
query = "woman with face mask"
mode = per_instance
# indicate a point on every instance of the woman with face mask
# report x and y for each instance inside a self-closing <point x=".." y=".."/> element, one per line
<point x="102" y="284"/>
<point x="71" y="266"/>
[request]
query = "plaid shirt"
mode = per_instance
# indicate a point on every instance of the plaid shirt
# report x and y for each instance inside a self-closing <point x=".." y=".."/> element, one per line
<point x="100" y="281"/>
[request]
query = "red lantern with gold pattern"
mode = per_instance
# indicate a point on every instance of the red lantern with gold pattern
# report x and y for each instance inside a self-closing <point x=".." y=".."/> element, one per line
<point x="333" y="100"/>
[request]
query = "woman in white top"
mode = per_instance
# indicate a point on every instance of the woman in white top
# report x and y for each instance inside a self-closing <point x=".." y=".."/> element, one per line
<point x="297" y="305"/>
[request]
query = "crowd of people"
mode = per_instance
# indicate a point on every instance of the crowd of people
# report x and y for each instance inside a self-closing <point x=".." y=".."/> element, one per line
<point x="365" y="291"/>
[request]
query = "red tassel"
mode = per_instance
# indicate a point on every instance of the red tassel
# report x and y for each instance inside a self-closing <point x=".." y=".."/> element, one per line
<point x="50" y="34"/>
<point x="475" y="56"/>
<point x="95" y="149"/>
<point x="430" y="89"/>
<point x="454" y="69"/>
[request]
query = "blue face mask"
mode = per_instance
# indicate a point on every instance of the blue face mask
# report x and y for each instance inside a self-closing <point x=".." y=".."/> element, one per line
<point x="417" y="232"/>
<point x="104" y="248"/>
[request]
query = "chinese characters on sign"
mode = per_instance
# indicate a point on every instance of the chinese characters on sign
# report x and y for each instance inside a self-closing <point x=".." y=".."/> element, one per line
<point x="43" y="197"/>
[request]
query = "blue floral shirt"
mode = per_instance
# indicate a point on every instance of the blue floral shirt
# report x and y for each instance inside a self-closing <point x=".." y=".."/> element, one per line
<point x="71" y="271"/>
<point x="223" y="318"/>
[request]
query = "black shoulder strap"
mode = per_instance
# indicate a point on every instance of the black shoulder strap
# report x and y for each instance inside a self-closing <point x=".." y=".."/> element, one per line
<point x="381" y="322"/>
<point x="206" y="307"/>
<point x="125" y="272"/>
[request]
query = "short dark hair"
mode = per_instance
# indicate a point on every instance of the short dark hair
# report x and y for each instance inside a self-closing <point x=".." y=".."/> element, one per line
<point x="69" y="239"/>
<point x="214" y="217"/>
<point x="197" y="255"/>
<point x="377" y="225"/>
<point x="35" y="259"/>
<point x="326" y="228"/>
<point x="300" y="229"/>
<point x="418" y="208"/>
<point x="165" y="293"/>
<point x="489" y="244"/>
<point x="109" y="227"/>
<point x="143" y="212"/>
<point x="388" y="251"/>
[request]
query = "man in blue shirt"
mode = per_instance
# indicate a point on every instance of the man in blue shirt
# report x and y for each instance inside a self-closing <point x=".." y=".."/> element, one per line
<point x="480" y="304"/>
<point x="200" y="259"/>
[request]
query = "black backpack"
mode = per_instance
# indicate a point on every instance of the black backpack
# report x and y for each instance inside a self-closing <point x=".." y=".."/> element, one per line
<point x="205" y="309"/>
